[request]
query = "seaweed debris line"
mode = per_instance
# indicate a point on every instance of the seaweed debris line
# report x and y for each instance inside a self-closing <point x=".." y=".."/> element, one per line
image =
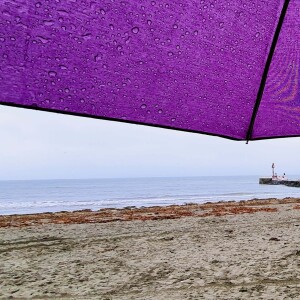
<point x="275" y="179"/>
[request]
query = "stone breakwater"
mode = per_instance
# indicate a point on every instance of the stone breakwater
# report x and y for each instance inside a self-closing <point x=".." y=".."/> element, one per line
<point x="269" y="180"/>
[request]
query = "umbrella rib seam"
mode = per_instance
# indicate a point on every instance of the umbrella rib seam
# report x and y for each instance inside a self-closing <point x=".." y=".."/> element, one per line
<point x="266" y="70"/>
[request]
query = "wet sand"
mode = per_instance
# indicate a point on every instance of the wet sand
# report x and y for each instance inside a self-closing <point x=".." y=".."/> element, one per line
<point x="245" y="250"/>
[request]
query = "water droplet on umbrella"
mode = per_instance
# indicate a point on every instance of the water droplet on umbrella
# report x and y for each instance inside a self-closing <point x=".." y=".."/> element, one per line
<point x="63" y="67"/>
<point x="52" y="73"/>
<point x="257" y="34"/>
<point x="48" y="22"/>
<point x="159" y="111"/>
<point x="149" y="22"/>
<point x="102" y="11"/>
<point x="143" y="106"/>
<point x="173" y="119"/>
<point x="135" y="30"/>
<point x="128" y="40"/>
<point x="170" y="53"/>
<point x="175" y="26"/>
<point x="221" y="24"/>
<point x="87" y="36"/>
<point x="196" y="32"/>
<point x="43" y="39"/>
<point x="38" y="4"/>
<point x="97" y="57"/>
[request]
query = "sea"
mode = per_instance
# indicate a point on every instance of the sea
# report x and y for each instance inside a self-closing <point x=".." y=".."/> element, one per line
<point x="36" y="196"/>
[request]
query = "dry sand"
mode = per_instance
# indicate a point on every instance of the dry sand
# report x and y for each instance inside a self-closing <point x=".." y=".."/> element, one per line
<point x="249" y="250"/>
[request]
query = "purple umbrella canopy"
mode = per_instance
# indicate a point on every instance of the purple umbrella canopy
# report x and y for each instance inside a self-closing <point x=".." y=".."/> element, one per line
<point x="225" y="68"/>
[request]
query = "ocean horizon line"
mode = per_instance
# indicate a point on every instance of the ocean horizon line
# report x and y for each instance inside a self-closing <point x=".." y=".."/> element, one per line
<point x="141" y="177"/>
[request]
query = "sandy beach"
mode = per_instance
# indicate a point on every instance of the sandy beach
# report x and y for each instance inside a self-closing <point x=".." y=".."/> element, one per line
<point x="244" y="250"/>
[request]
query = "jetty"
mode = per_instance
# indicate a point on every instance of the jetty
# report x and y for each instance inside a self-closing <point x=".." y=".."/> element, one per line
<point x="272" y="181"/>
<point x="275" y="180"/>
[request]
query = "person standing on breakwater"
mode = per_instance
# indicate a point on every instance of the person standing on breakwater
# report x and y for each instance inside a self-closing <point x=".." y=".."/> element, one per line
<point x="275" y="176"/>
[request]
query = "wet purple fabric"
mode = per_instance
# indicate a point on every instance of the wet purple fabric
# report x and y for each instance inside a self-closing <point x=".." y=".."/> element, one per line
<point x="279" y="111"/>
<point x="188" y="65"/>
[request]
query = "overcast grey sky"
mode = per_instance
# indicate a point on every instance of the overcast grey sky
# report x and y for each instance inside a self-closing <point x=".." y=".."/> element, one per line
<point x="41" y="145"/>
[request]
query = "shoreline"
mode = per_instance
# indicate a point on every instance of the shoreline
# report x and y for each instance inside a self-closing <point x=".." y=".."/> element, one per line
<point x="132" y="213"/>
<point x="236" y="250"/>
